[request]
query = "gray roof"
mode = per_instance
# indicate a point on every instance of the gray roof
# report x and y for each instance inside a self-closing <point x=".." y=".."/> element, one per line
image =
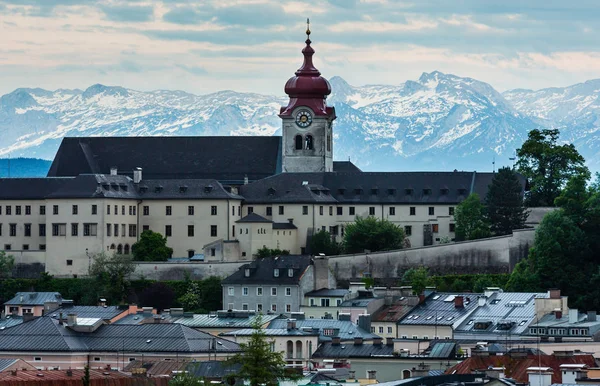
<point x="9" y="321"/>
<point x="357" y="302"/>
<point x="212" y="369"/>
<point x="351" y="350"/>
<point x="439" y="309"/>
<point x="347" y="329"/>
<point x="214" y="321"/>
<point x="253" y="217"/>
<point x="104" y="313"/>
<point x="45" y="334"/>
<point x="184" y="189"/>
<point x="271" y="332"/>
<point x="327" y="292"/>
<point x="550" y="320"/>
<point x="34" y="298"/>
<point x="226" y="158"/>
<point x="424" y="188"/>
<point x="284" y="225"/>
<point x="262" y="271"/>
<point x="513" y="311"/>
<point x="6" y="363"/>
<point x="29" y="188"/>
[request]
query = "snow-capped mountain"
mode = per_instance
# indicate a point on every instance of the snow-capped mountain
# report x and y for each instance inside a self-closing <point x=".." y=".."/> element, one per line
<point x="575" y="110"/>
<point x="438" y="122"/>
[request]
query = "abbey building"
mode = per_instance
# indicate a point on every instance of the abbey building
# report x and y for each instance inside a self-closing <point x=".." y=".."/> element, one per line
<point x="219" y="198"/>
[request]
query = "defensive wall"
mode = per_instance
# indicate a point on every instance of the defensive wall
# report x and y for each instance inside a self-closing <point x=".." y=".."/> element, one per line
<point x="492" y="255"/>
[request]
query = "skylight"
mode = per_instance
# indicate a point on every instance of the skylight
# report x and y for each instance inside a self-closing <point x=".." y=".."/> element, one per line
<point x="450" y="298"/>
<point x="436" y="297"/>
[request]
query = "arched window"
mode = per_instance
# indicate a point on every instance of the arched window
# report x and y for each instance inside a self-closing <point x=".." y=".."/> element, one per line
<point x="298" y="142"/>
<point x="298" y="349"/>
<point x="112" y="246"/>
<point x="290" y="349"/>
<point x="126" y="249"/>
<point x="309" y="142"/>
<point x="405" y="374"/>
<point x="329" y="143"/>
<point x="120" y="249"/>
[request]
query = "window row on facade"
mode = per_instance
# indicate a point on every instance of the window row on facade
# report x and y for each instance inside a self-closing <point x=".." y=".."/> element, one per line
<point x="339" y="210"/>
<point x="259" y="307"/>
<point x="259" y="291"/>
<point x="191" y="210"/>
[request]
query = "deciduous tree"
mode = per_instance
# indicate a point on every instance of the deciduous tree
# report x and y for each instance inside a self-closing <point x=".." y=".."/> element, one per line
<point x="321" y="242"/>
<point x="152" y="246"/>
<point x="7" y="263"/>
<point x="547" y="165"/>
<point x="470" y="220"/>
<point x="372" y="234"/>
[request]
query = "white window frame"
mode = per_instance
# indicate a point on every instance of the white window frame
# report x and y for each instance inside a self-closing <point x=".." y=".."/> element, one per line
<point x="288" y="307"/>
<point x="288" y="291"/>
<point x="245" y="291"/>
<point x="245" y="306"/>
<point x="37" y="359"/>
<point x="274" y="307"/>
<point x="259" y="291"/>
<point x="230" y="306"/>
<point x="231" y="291"/>
<point x="273" y="291"/>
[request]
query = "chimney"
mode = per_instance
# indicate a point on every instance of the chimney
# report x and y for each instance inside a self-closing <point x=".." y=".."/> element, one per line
<point x="132" y="309"/>
<point x="389" y="341"/>
<point x="570" y="373"/>
<point x="245" y="179"/>
<point x="176" y="311"/>
<point x="137" y="175"/>
<point x="421" y="298"/>
<point x="378" y="341"/>
<point x="372" y="374"/>
<point x="27" y="316"/>
<point x="156" y="319"/>
<point x="554" y="293"/>
<point x="60" y="318"/>
<point x="291" y="324"/>
<point x="335" y="340"/>
<point x="344" y="316"/>
<point x="290" y="220"/>
<point x="71" y="319"/>
<point x="573" y="315"/>
<point x="69" y="373"/>
<point x="481" y="300"/>
<point x="358" y="340"/>
<point x="351" y="374"/>
<point x="321" y="272"/>
<point x="101" y="302"/>
<point x="591" y="316"/>
<point x="459" y="302"/>
<point x="557" y="313"/>
<point x="364" y="322"/>
<point x="539" y="376"/>
<point x="113" y="171"/>
<point x="298" y="315"/>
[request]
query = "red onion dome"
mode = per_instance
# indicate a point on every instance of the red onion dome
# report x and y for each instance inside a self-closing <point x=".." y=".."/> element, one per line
<point x="308" y="88"/>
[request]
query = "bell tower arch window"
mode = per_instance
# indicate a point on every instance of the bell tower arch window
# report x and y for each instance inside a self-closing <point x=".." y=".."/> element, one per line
<point x="298" y="142"/>
<point x="309" y="142"/>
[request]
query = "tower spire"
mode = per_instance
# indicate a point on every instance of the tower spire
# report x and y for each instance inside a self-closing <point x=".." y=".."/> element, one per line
<point x="307" y="29"/>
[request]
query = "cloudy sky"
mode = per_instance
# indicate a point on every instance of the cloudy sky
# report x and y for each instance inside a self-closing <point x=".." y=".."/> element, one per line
<point x="202" y="46"/>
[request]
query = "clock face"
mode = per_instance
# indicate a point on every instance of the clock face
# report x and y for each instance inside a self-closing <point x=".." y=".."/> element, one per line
<point x="303" y="118"/>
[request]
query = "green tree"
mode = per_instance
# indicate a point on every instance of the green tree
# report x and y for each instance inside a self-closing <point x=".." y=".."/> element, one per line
<point x="266" y="252"/>
<point x="85" y="380"/>
<point x="7" y="263"/>
<point x="322" y="242"/>
<point x="504" y="203"/>
<point x="524" y="278"/>
<point x="417" y="278"/>
<point x="191" y="300"/>
<point x="547" y="165"/>
<point x="152" y="246"/>
<point x="259" y="365"/>
<point x="187" y="379"/>
<point x="372" y="234"/>
<point x="470" y="220"/>
<point x="113" y="272"/>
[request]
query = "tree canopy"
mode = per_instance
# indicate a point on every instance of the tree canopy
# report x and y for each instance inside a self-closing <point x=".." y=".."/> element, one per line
<point x="265" y="252"/>
<point x="505" y="210"/>
<point x="372" y="234"/>
<point x="547" y="165"/>
<point x="321" y="242"/>
<point x="113" y="272"/>
<point x="470" y="220"/>
<point x="152" y="246"/>
<point x="417" y="278"/>
<point x="7" y="262"/>
<point x="259" y="364"/>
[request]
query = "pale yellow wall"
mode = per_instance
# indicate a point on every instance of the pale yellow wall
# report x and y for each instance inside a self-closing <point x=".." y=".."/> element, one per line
<point x="254" y="236"/>
<point x="424" y="332"/>
<point x="382" y="329"/>
<point x="286" y="239"/>
<point x="309" y="345"/>
<point x="35" y="218"/>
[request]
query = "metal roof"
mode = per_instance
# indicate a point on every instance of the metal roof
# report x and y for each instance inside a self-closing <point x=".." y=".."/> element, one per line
<point x="45" y="334"/>
<point x="5" y="363"/>
<point x="214" y="321"/>
<point x="439" y="309"/>
<point x="327" y="292"/>
<point x="346" y="329"/>
<point x="271" y="332"/>
<point x="105" y="313"/>
<point x="9" y="321"/>
<point x="34" y="298"/>
<point x="351" y="350"/>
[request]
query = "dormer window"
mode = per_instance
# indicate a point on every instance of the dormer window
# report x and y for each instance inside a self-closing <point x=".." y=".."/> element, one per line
<point x="183" y="189"/>
<point x="462" y="191"/>
<point x="271" y="192"/>
<point x="391" y="192"/>
<point x="341" y="191"/>
<point x="426" y="192"/>
<point x="290" y="272"/>
<point x="374" y="191"/>
<point x="247" y="272"/>
<point x="143" y="189"/>
<point x="276" y="272"/>
<point x="106" y="186"/>
<point x="123" y="187"/>
<point x="208" y="189"/>
<point x="358" y="191"/>
<point x="444" y="191"/>
<point x="158" y="189"/>
<point x="408" y="191"/>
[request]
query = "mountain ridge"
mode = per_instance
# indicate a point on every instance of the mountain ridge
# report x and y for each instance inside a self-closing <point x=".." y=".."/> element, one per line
<point x="437" y="122"/>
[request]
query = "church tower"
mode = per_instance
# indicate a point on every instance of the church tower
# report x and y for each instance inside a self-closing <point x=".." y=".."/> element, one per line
<point x="307" y="136"/>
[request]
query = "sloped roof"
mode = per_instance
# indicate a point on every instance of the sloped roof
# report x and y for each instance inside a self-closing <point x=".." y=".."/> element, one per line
<point x="518" y="366"/>
<point x="262" y="271"/>
<point x="212" y="369"/>
<point x="368" y="187"/>
<point x="395" y="311"/>
<point x="34" y="298"/>
<point x="29" y="188"/>
<point x="328" y="292"/>
<point x="45" y="334"/>
<point x="225" y="158"/>
<point x="105" y="313"/>
<point x="214" y="321"/>
<point x="347" y="329"/>
<point x="439" y="309"/>
<point x="345" y="166"/>
<point x="253" y="217"/>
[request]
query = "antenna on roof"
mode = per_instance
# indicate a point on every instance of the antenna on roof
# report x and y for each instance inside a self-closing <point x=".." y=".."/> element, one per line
<point x="494" y="164"/>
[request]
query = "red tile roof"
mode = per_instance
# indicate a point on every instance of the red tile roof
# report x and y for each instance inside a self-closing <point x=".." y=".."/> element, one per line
<point x="61" y="377"/>
<point x="516" y="368"/>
